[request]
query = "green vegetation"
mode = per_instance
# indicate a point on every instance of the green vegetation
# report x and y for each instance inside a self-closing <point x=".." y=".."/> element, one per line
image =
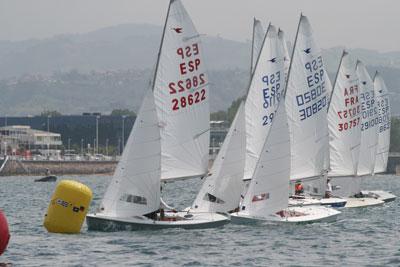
<point x="395" y="134"/>
<point x="122" y="112"/>
<point x="228" y="115"/>
<point x="51" y="113"/>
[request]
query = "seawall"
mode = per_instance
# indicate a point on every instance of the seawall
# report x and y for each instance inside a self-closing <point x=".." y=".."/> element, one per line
<point x="27" y="167"/>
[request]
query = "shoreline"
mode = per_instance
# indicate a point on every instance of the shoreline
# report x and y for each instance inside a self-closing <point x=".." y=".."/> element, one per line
<point x="14" y="167"/>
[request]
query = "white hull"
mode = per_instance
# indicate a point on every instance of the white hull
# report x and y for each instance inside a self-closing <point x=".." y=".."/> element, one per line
<point x="307" y="201"/>
<point x="99" y="222"/>
<point x="353" y="202"/>
<point x="379" y="194"/>
<point x="308" y="214"/>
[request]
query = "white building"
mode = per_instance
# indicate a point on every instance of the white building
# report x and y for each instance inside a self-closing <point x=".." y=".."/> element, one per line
<point x="22" y="140"/>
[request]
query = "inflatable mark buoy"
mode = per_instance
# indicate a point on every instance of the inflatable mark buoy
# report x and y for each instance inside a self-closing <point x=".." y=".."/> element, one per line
<point x="68" y="207"/>
<point x="4" y="233"/>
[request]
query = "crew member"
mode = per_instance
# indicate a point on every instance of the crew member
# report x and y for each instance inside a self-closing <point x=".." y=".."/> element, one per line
<point x="298" y="188"/>
<point x="328" y="190"/>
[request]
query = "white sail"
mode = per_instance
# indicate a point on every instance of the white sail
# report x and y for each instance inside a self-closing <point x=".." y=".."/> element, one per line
<point x="344" y="119"/>
<point x="306" y="101"/>
<point x="369" y="122"/>
<point x="265" y="91"/>
<point x="286" y="59"/>
<point x="182" y="98"/>
<point x="383" y="107"/>
<point x="135" y="187"/>
<point x="268" y="191"/>
<point x="257" y="43"/>
<point x="221" y="189"/>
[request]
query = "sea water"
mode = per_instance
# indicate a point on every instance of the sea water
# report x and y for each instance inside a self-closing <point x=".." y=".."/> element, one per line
<point x="360" y="237"/>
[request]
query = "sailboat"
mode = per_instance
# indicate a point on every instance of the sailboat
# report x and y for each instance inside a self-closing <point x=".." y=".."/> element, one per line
<point x="344" y="119"/>
<point x="169" y="139"/>
<point x="383" y="142"/>
<point x="307" y="97"/>
<point x="249" y="129"/>
<point x="221" y="189"/>
<point x="369" y="129"/>
<point x="266" y="198"/>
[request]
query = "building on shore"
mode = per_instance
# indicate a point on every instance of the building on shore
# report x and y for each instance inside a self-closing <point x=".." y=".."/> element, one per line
<point x="22" y="140"/>
<point x="218" y="131"/>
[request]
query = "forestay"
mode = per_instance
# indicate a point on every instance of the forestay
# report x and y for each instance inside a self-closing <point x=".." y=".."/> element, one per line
<point x="257" y="43"/>
<point x="221" y="190"/>
<point x="182" y="98"/>
<point x="344" y="119"/>
<point x="265" y="91"/>
<point x="268" y="191"/>
<point x="135" y="187"/>
<point x="369" y="122"/>
<point x="383" y="107"/>
<point x="306" y="99"/>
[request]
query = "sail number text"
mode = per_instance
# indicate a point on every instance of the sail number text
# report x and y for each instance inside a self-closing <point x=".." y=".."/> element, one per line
<point x="190" y="89"/>
<point x="383" y="114"/>
<point x="369" y="110"/>
<point x="314" y="100"/>
<point x="271" y="94"/>
<point x="351" y="111"/>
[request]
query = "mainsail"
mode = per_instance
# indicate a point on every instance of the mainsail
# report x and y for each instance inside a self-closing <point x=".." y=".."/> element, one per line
<point x="344" y="119"/>
<point x="286" y="58"/>
<point x="383" y="107"/>
<point x="135" y="187"/>
<point x="257" y="43"/>
<point x="369" y="122"/>
<point x="264" y="93"/>
<point x="307" y="95"/>
<point x="182" y="98"/>
<point x="268" y="191"/>
<point x="221" y="190"/>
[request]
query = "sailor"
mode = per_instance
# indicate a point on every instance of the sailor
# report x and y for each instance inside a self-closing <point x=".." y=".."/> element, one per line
<point x="298" y="188"/>
<point x="47" y="172"/>
<point x="162" y="214"/>
<point x="328" y="190"/>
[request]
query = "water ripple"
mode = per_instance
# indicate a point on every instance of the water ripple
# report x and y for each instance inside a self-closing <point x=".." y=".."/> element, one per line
<point x="361" y="237"/>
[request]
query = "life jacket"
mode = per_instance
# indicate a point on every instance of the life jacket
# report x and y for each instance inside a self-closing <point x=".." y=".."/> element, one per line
<point x="298" y="188"/>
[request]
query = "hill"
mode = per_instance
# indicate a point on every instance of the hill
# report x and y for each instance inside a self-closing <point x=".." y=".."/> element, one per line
<point x="109" y="68"/>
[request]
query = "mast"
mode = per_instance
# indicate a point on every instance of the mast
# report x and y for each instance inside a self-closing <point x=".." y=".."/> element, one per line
<point x="161" y="45"/>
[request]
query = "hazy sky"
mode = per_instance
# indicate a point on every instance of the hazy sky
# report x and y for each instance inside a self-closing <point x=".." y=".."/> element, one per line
<point x="373" y="24"/>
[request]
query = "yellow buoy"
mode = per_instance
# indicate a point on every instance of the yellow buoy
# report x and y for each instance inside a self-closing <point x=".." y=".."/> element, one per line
<point x="68" y="207"/>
